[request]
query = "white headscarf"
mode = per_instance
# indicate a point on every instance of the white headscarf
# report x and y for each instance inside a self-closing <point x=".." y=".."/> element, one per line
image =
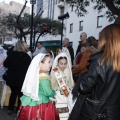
<point x="65" y="50"/>
<point x="31" y="83"/>
<point x="68" y="68"/>
<point x="52" y="56"/>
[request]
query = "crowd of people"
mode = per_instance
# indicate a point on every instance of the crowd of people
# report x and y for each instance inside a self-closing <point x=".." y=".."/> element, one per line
<point x="65" y="87"/>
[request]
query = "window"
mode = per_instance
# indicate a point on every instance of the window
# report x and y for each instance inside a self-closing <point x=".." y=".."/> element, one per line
<point x="62" y="11"/>
<point x="99" y="21"/>
<point x="71" y="27"/>
<point x="72" y="8"/>
<point x="81" y="26"/>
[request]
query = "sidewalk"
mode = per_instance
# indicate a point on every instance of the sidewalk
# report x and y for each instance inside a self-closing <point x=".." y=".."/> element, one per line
<point x="5" y="116"/>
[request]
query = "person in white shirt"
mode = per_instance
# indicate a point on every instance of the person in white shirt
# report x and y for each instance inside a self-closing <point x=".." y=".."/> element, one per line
<point x="39" y="49"/>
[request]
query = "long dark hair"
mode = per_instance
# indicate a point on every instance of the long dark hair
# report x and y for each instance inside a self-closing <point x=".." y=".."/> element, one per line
<point x="60" y="58"/>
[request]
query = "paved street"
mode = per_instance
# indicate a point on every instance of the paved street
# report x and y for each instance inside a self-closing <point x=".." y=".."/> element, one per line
<point x="3" y="111"/>
<point x="5" y="116"/>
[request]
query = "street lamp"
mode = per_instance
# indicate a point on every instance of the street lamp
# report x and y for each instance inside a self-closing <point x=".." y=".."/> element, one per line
<point x="62" y="17"/>
<point x="32" y="2"/>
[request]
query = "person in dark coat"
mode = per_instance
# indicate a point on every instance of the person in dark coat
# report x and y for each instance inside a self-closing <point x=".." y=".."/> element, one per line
<point x="83" y="37"/>
<point x="102" y="82"/>
<point x="90" y="47"/>
<point x="17" y="64"/>
<point x="69" y="47"/>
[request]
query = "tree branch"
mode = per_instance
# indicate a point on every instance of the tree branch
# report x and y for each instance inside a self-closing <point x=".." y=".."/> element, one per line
<point x="18" y="26"/>
<point x="111" y="7"/>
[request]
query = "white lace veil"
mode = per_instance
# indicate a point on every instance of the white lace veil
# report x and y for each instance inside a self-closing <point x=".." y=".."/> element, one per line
<point x="65" y="50"/>
<point x="52" y="54"/>
<point x="67" y="71"/>
<point x="31" y="83"/>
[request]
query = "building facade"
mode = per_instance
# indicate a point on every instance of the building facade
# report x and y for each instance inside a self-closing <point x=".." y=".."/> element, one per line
<point x="92" y="23"/>
<point x="38" y="6"/>
<point x="5" y="9"/>
<point x="12" y="7"/>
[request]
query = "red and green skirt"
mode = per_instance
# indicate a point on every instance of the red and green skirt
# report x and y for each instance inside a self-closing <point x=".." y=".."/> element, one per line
<point x="45" y="111"/>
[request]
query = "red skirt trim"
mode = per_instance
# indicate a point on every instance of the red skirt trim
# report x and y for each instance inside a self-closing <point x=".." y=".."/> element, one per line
<point x="45" y="111"/>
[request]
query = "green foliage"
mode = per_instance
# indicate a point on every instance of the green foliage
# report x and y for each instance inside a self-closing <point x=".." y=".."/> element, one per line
<point x="25" y="21"/>
<point x="52" y="24"/>
<point x="10" y="22"/>
<point x="111" y="17"/>
<point x="112" y="5"/>
<point x="80" y="6"/>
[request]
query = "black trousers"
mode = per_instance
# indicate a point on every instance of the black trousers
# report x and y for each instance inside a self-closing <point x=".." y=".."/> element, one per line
<point x="15" y="91"/>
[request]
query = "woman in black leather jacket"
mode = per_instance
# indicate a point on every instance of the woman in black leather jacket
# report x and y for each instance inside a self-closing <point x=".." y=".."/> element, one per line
<point x="102" y="82"/>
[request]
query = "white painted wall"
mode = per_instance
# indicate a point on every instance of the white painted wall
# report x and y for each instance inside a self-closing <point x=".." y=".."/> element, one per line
<point x="45" y="8"/>
<point x="90" y="24"/>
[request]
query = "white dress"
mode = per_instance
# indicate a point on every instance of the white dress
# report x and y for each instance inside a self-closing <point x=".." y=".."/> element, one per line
<point x="62" y="101"/>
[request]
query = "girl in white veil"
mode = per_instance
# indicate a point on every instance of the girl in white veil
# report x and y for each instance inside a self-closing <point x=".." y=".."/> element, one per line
<point x="66" y="51"/>
<point x="62" y="83"/>
<point x="36" y="103"/>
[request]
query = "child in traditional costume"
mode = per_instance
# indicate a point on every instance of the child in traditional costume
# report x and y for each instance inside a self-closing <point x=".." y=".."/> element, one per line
<point x="36" y="103"/>
<point x="62" y="83"/>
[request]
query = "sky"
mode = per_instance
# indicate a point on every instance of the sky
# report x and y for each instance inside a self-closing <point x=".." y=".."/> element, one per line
<point x="19" y="1"/>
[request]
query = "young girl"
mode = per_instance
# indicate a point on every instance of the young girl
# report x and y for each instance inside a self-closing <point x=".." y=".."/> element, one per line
<point x="62" y="83"/>
<point x="66" y="51"/>
<point x="36" y="103"/>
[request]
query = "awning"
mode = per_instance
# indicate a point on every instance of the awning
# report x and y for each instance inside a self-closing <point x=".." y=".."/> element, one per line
<point x="51" y="43"/>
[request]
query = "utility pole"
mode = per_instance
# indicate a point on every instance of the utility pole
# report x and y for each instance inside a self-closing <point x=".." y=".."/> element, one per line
<point x="32" y="2"/>
<point x="62" y="34"/>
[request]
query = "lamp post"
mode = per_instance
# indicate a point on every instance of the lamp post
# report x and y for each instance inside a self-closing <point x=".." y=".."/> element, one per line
<point x="32" y="2"/>
<point x="62" y="17"/>
<point x="62" y="34"/>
